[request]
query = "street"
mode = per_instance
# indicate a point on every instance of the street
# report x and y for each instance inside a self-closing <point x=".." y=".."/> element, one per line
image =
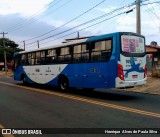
<point x="39" y="106"/>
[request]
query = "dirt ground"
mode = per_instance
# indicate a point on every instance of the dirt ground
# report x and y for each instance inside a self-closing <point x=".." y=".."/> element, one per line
<point x="152" y="87"/>
<point x="4" y="74"/>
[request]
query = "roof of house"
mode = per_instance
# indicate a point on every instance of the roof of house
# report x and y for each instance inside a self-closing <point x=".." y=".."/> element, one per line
<point x="152" y="49"/>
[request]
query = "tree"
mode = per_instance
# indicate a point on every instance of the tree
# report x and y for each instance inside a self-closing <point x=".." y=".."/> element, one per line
<point x="8" y="43"/>
<point x="10" y="48"/>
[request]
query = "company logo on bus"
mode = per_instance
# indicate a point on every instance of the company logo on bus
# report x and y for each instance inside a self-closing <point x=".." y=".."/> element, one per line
<point x="94" y="70"/>
<point x="134" y="67"/>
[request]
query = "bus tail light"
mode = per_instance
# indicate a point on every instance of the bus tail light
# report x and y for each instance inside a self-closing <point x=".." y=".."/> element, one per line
<point x="120" y="72"/>
<point x="145" y="71"/>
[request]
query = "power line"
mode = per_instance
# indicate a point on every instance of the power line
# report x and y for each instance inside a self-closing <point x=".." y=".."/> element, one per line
<point x="68" y="21"/>
<point x="87" y="27"/>
<point x="154" y="13"/>
<point x="71" y="21"/>
<point x="82" y="28"/>
<point x="82" y="24"/>
<point x="150" y="3"/>
<point x="111" y="23"/>
<point x="77" y="26"/>
<point x="151" y="14"/>
<point x="110" y="13"/>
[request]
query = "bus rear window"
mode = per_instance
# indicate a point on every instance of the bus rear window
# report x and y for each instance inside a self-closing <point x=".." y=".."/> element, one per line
<point x="132" y="44"/>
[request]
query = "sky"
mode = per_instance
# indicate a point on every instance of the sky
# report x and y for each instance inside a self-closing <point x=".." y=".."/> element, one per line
<point x="50" y="22"/>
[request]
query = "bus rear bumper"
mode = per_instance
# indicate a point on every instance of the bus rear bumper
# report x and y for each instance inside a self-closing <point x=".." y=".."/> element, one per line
<point x="124" y="84"/>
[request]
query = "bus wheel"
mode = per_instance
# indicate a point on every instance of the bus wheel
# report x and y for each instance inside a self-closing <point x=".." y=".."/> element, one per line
<point x="24" y="80"/>
<point x="63" y="83"/>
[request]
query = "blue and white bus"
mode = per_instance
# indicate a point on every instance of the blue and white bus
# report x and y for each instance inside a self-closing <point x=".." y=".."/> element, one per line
<point x="115" y="60"/>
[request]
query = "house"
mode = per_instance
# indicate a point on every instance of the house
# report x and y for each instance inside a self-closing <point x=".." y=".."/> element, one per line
<point x="153" y="60"/>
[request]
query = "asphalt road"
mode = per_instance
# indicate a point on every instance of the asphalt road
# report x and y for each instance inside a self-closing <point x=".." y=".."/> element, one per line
<point x="39" y="106"/>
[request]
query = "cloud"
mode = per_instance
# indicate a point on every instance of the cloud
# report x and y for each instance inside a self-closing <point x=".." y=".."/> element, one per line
<point x="126" y="23"/>
<point x="22" y="7"/>
<point x="153" y="37"/>
<point x="31" y="31"/>
<point x="55" y="23"/>
<point x="126" y="20"/>
<point x="108" y="9"/>
<point x="16" y="11"/>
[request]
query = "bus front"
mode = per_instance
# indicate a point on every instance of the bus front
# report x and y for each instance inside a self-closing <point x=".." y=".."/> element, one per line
<point x="132" y="61"/>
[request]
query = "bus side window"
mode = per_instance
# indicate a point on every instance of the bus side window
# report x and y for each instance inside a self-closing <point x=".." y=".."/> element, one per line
<point x="101" y="51"/>
<point x="42" y="58"/>
<point x="65" y="55"/>
<point x="23" y="60"/>
<point x="96" y="56"/>
<point x="81" y="53"/>
<point x="31" y="58"/>
<point x="106" y="54"/>
<point x="33" y="55"/>
<point x="77" y="53"/>
<point x="51" y="56"/>
<point x="38" y="59"/>
<point x="85" y="57"/>
<point x="85" y="53"/>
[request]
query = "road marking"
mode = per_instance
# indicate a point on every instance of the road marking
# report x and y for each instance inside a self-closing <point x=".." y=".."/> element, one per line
<point x="5" y="135"/>
<point x="137" y="111"/>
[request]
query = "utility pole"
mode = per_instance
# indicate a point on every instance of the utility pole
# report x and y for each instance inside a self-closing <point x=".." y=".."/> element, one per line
<point x="138" y="16"/>
<point x="5" y="58"/>
<point x="159" y="27"/>
<point x="78" y="36"/>
<point x="24" y="45"/>
<point x="38" y="43"/>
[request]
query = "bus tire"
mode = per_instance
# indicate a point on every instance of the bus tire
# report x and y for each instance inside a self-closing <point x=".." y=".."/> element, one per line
<point x="24" y="80"/>
<point x="63" y="83"/>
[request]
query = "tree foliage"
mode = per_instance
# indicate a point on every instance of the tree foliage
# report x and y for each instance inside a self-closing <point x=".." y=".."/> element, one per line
<point x="8" y="43"/>
<point x="10" y="48"/>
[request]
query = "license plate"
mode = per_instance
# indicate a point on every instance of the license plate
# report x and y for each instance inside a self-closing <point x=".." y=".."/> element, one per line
<point x="134" y="76"/>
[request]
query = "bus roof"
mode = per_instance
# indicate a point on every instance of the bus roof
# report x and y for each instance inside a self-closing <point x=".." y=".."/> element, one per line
<point x="55" y="46"/>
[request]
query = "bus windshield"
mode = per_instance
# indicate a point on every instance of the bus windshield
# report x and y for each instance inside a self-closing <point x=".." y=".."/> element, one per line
<point x="132" y="44"/>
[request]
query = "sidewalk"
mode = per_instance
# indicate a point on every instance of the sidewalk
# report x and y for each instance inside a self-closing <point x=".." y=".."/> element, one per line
<point x="152" y="87"/>
<point x="4" y="74"/>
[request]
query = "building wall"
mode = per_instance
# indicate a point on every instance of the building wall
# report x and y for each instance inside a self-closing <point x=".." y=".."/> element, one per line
<point x="156" y="66"/>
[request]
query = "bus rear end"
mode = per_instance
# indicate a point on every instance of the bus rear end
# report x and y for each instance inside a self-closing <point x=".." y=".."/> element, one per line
<point x="132" y="61"/>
